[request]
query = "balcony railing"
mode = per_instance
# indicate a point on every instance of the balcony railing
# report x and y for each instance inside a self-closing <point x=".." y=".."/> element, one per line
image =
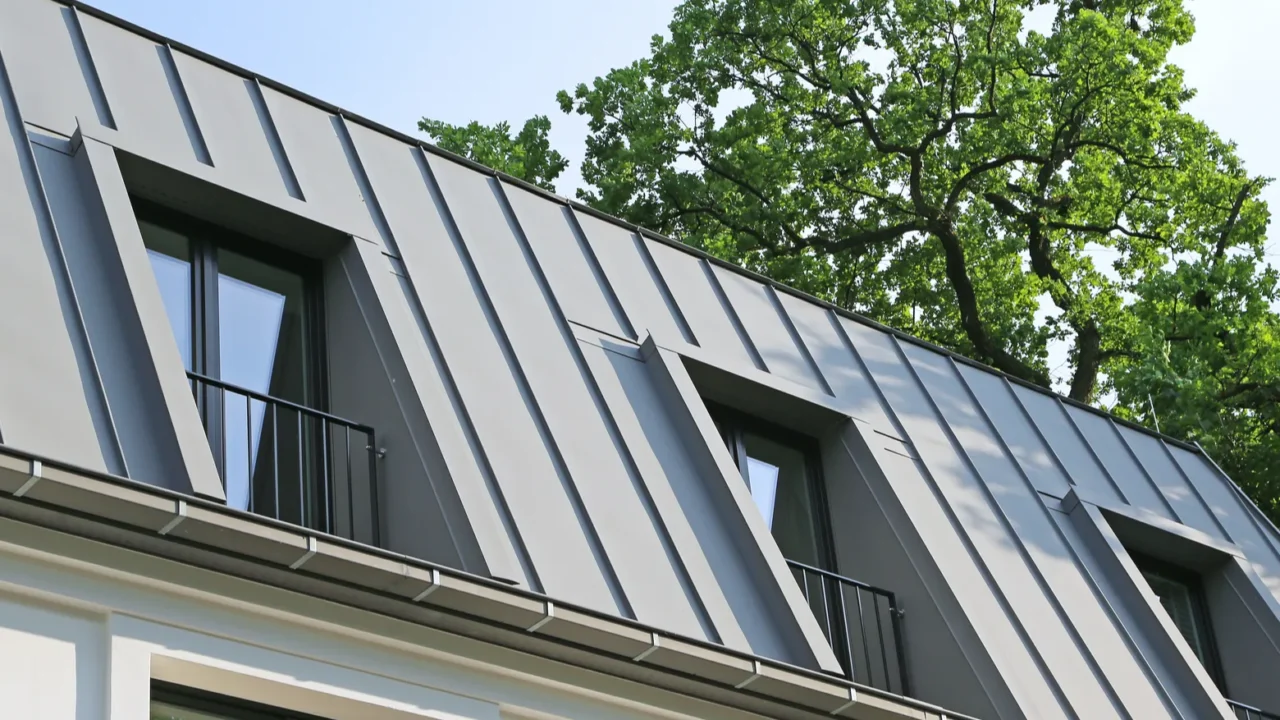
<point x="863" y="624"/>
<point x="1245" y="712"/>
<point x="291" y="462"/>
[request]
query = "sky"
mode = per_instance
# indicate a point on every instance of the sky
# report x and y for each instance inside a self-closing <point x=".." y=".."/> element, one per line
<point x="394" y="61"/>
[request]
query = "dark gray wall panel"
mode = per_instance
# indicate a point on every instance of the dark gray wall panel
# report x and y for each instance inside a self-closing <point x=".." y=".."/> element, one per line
<point x="423" y="515"/>
<point x="597" y="477"/>
<point x="768" y="330"/>
<point x="1007" y="525"/>
<point x="238" y="143"/>
<point x="571" y="269"/>
<point x="472" y="351"/>
<point x="1020" y="436"/>
<point x="138" y="89"/>
<point x="702" y="304"/>
<point x="1247" y="634"/>
<point x="36" y="41"/>
<point x="1180" y="494"/>
<point x="445" y="428"/>
<point x="638" y="288"/>
<point x="1078" y="459"/>
<point x="324" y="169"/>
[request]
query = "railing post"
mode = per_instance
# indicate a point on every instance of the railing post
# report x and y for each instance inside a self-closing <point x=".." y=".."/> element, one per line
<point x="896" y="613"/>
<point x="375" y="505"/>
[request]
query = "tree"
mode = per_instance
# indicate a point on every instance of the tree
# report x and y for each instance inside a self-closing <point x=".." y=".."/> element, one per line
<point x="527" y="156"/>
<point x="959" y="169"/>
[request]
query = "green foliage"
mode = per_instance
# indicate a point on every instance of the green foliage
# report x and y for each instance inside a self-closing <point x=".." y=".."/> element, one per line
<point x="960" y="169"/>
<point x="527" y="156"/>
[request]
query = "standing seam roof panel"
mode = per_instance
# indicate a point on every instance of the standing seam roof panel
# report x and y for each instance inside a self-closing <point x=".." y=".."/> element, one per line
<point x="596" y="476"/>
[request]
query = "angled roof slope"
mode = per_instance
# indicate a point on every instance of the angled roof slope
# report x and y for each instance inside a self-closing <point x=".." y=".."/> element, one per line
<point x="547" y="331"/>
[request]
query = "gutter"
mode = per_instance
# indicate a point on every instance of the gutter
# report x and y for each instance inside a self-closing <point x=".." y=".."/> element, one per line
<point x="202" y="533"/>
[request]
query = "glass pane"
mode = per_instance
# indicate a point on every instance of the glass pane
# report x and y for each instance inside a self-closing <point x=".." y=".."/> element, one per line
<point x="170" y="255"/>
<point x="262" y="347"/>
<point x="1177" y="600"/>
<point x="779" y="482"/>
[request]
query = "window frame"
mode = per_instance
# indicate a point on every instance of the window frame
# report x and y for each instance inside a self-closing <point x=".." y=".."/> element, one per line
<point x="204" y="240"/>
<point x="732" y="424"/>
<point x="205" y="701"/>
<point x="1194" y="584"/>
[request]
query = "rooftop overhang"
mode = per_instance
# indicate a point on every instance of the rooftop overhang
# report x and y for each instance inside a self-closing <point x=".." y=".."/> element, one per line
<point x="208" y="535"/>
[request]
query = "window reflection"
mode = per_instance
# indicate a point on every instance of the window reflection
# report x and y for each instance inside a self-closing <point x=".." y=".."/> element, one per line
<point x="778" y="476"/>
<point x="170" y="255"/>
<point x="261" y="347"/>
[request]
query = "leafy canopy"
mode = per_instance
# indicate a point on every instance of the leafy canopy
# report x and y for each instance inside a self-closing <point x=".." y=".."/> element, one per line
<point x="994" y="176"/>
<point x="527" y="156"/>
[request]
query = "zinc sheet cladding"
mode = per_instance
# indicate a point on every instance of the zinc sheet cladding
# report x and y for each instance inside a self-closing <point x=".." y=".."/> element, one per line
<point x="536" y="310"/>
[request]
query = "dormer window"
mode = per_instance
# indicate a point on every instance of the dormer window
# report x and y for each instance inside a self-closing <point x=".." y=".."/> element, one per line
<point x="247" y="319"/>
<point x="782" y="471"/>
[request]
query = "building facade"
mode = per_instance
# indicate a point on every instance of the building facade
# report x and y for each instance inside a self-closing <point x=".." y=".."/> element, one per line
<point x="303" y="418"/>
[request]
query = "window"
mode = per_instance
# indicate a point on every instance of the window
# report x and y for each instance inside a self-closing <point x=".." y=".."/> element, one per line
<point x="782" y="471"/>
<point x="1182" y="596"/>
<point x="171" y="702"/>
<point x="247" y="320"/>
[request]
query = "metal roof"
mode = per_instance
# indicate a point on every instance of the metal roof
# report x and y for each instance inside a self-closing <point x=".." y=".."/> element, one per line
<point x="536" y="370"/>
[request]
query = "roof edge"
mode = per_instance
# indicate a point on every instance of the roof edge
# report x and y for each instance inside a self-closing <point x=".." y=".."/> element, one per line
<point x="167" y="524"/>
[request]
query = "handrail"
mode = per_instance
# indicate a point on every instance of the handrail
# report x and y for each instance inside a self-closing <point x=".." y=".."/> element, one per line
<point x="296" y="470"/>
<point x="222" y="385"/>
<point x="835" y="576"/>
<point x="1248" y="712"/>
<point x="852" y="614"/>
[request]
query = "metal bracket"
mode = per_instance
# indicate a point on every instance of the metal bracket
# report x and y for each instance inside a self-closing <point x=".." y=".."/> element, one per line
<point x="434" y="586"/>
<point x="179" y="514"/>
<point x="310" y="553"/>
<point x="755" y="675"/>
<point x="653" y="647"/>
<point x="34" y="475"/>
<point x="853" y="700"/>
<point x="548" y="617"/>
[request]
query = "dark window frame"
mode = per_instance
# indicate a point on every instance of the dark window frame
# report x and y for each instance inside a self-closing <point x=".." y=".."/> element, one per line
<point x="1194" y="583"/>
<point x="205" y="239"/>
<point x="204" y="701"/>
<point x="732" y="424"/>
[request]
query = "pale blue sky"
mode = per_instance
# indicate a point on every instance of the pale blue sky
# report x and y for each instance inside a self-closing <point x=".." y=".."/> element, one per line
<point x="396" y="60"/>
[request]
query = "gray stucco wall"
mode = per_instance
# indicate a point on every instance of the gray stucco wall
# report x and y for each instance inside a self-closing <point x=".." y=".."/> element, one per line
<point x="533" y="371"/>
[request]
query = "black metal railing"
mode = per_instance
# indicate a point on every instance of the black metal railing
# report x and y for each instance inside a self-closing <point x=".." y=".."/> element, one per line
<point x="1246" y="712"/>
<point x="862" y="623"/>
<point x="291" y="462"/>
